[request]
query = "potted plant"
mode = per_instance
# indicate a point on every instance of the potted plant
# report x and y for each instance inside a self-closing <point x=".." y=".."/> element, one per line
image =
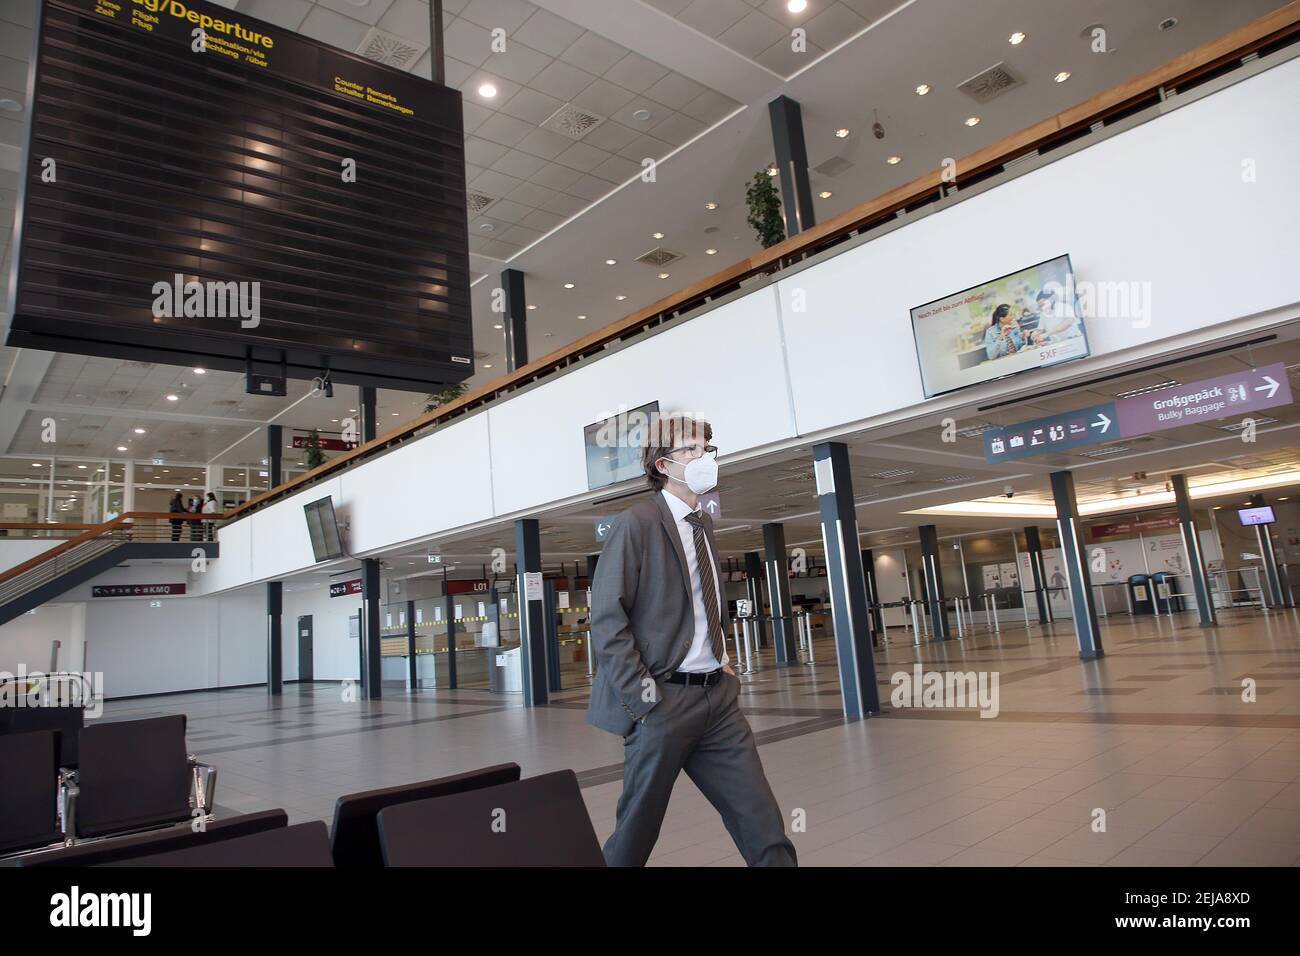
<point x="764" y="204"/>
<point x="315" y="455"/>
<point x="442" y="397"/>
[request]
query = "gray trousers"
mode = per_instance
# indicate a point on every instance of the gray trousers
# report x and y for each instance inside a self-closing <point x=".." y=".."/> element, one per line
<point x="702" y="731"/>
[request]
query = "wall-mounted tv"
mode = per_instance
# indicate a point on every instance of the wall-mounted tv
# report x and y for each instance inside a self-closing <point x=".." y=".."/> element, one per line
<point x="1254" y="516"/>
<point x="614" y="445"/>
<point x="323" y="528"/>
<point x="1025" y="320"/>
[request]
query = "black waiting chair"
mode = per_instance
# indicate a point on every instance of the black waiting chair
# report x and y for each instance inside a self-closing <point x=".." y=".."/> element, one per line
<point x="29" y="796"/>
<point x="541" y="821"/>
<point x="355" y="835"/>
<point x="67" y="720"/>
<point x="121" y="849"/>
<point x="133" y="775"/>
<point x="304" y="844"/>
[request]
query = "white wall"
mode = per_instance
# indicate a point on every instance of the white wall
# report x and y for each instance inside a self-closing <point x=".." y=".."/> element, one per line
<point x="1163" y="203"/>
<point x="14" y="551"/>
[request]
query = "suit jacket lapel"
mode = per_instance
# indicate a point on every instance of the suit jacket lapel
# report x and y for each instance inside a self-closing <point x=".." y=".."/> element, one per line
<point x="670" y="528"/>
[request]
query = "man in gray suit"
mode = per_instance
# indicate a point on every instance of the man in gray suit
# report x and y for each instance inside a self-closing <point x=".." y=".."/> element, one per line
<point x="663" y="681"/>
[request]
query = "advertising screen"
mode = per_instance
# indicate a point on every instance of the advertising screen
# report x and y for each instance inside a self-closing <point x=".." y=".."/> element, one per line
<point x="614" y="445"/>
<point x="1026" y="320"/>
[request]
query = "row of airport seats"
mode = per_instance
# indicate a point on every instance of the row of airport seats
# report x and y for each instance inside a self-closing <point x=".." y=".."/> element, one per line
<point x="487" y="817"/>
<point x="115" y="778"/>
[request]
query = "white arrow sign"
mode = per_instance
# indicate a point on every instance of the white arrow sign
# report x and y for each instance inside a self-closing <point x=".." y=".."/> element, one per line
<point x="1102" y="422"/>
<point x="1271" y="387"/>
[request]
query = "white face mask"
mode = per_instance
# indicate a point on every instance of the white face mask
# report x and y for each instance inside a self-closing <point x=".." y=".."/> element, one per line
<point x="699" y="474"/>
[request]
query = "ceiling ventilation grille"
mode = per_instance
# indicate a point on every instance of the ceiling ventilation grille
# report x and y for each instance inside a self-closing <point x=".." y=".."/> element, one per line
<point x="137" y="365"/>
<point x="977" y="429"/>
<point x="990" y="84"/>
<point x="475" y="203"/>
<point x="572" y="122"/>
<point x="953" y="479"/>
<point x="796" y="476"/>
<point x="390" y="50"/>
<point x="833" y="166"/>
<point x="659" y="257"/>
<point x="892" y="473"/>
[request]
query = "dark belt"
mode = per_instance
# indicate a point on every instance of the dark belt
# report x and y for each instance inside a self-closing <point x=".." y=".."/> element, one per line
<point x="705" y="679"/>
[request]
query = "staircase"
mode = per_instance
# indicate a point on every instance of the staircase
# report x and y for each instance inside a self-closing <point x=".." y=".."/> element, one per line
<point x="138" y="535"/>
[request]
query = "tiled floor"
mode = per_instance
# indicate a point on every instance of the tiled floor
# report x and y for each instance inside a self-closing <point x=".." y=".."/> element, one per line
<point x="1182" y="770"/>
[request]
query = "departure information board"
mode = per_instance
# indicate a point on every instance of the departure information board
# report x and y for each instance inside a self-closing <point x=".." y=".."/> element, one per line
<point x="204" y="188"/>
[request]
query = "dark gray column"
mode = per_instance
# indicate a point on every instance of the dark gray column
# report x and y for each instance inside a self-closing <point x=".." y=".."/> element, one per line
<point x="1075" y="558"/>
<point x="532" y="618"/>
<point x="935" y="599"/>
<point x="1192" y="545"/>
<point x="449" y="613"/>
<point x="274" y="456"/>
<point x="274" y="641"/>
<point x="550" y="611"/>
<point x="1278" y="595"/>
<point x="592" y="561"/>
<point x="778" y="588"/>
<point x="1034" y="546"/>
<point x="371" y="598"/>
<point x="848" y="583"/>
<point x="515" y="319"/>
<point x="873" y="599"/>
<point x="366" y="409"/>
<point x="792" y="165"/>
<point x="754" y="588"/>
<point x="439" y="70"/>
<point x="412" y="671"/>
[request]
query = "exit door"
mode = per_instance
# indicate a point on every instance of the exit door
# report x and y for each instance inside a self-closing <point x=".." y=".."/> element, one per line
<point x="305" y="645"/>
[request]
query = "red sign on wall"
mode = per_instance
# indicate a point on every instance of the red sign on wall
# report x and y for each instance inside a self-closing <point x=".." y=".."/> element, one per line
<point x="1116" y="529"/>
<point x="467" y="587"/>
<point x="326" y="444"/>
<point x="340" y="588"/>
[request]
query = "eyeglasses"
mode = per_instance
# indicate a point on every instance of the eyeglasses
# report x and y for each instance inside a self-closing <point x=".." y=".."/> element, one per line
<point x="695" y="452"/>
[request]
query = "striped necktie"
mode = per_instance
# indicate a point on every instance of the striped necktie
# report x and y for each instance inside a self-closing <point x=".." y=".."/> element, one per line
<point x="708" y="588"/>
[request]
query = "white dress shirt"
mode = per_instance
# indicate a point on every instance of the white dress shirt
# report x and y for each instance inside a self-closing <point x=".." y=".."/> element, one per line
<point x="699" y="658"/>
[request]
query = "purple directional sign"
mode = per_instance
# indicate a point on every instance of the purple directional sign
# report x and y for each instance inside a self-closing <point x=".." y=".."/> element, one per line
<point x="1226" y="396"/>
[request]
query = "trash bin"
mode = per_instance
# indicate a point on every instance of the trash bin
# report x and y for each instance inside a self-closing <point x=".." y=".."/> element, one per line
<point x="1139" y="593"/>
<point x="505" y="675"/>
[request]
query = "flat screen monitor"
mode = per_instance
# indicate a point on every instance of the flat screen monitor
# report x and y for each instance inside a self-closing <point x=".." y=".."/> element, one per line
<point x="1026" y="320"/>
<point x="614" y="445"/>
<point x="1252" y="516"/>
<point x="326" y="544"/>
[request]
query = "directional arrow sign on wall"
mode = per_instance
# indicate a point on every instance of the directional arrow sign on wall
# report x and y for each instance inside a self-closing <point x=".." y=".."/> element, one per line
<point x="1083" y="426"/>
<point x="1226" y="396"/>
<point x="602" y="527"/>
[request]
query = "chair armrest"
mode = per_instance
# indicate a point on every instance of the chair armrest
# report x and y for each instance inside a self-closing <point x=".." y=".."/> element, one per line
<point x="204" y="787"/>
<point x="68" y="791"/>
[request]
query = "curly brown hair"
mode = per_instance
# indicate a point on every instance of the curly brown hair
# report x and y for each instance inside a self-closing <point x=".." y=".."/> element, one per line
<point x="665" y="434"/>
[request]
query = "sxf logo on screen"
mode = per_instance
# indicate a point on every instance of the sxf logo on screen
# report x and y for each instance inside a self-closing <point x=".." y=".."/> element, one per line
<point x="77" y="909"/>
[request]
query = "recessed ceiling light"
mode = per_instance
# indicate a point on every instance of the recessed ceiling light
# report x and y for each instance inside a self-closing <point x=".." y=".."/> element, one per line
<point x="1168" y="23"/>
<point x="81" y="467"/>
<point x="1016" y="38"/>
<point x="663" y="275"/>
<point x="825" y="194"/>
<point x="611" y="262"/>
<point x="710" y="205"/>
<point x="498" y="326"/>
<point x="568" y="285"/>
<point x="394" y="414"/>
<point x="139" y="431"/>
<point x="894" y="160"/>
<point x="582" y="318"/>
<point x="11" y="106"/>
<point x="200" y="371"/>
<point x="842" y="133"/>
<point x="531" y="308"/>
<point x="486" y="227"/>
<point x="37" y="464"/>
<point x="796" y="6"/>
<point x="1062" y="76"/>
<point x="487" y="91"/>
<point x="656" y="235"/>
<point x="923" y="89"/>
<point x="771" y="170"/>
<point x="642" y="116"/>
<point x="121" y="448"/>
<point x="710" y="252"/>
<point x="620" y="297"/>
<point x="173" y="398"/>
<point x="972" y="121"/>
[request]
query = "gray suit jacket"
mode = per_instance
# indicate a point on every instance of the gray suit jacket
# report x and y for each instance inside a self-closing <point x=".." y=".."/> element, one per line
<point x="642" y="618"/>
